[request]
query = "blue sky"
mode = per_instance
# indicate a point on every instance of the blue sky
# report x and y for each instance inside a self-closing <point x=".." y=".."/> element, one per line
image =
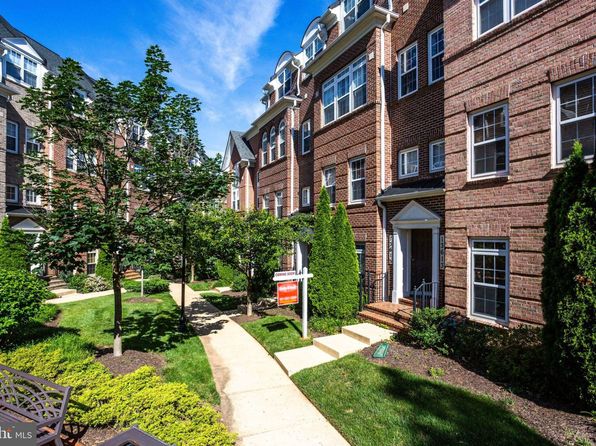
<point x="222" y="51"/>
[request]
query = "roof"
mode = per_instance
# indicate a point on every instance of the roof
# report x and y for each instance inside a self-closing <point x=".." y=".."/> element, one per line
<point x="243" y="149"/>
<point x="52" y="59"/>
<point x="431" y="186"/>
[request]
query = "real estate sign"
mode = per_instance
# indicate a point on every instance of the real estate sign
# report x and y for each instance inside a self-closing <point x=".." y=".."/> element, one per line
<point x="287" y="293"/>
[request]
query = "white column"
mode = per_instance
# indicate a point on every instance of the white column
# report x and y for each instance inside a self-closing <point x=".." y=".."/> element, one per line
<point x="435" y="265"/>
<point x="400" y="267"/>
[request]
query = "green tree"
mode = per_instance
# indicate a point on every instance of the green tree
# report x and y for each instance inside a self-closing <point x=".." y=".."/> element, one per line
<point x="135" y="146"/>
<point x="345" y="276"/>
<point x="13" y="248"/>
<point x="250" y="242"/>
<point x="321" y="259"/>
<point x="103" y="268"/>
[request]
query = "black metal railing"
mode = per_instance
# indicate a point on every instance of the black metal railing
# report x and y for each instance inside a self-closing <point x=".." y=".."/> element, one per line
<point x="425" y="295"/>
<point x="372" y="286"/>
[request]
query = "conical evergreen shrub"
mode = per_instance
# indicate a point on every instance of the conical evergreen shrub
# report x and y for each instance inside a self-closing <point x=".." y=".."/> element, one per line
<point x="320" y="287"/>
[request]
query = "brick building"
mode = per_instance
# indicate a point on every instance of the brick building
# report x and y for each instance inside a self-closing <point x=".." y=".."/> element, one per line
<point x="440" y="125"/>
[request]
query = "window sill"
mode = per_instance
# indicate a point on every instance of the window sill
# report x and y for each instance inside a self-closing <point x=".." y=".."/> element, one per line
<point x="344" y="117"/>
<point x="356" y="204"/>
<point x="436" y="170"/>
<point x="493" y="322"/>
<point x="399" y="97"/>
<point x="13" y="153"/>
<point x="495" y="176"/>
<point x="405" y="177"/>
<point x="19" y="82"/>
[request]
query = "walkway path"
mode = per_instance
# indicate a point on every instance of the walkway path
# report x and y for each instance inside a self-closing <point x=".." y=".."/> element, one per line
<point x="77" y="297"/>
<point x="258" y="400"/>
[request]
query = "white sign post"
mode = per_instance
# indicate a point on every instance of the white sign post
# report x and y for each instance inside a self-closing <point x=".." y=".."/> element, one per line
<point x="284" y="276"/>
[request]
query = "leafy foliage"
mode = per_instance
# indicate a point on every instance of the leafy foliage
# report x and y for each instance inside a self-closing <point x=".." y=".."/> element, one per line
<point x="321" y="259"/>
<point x="227" y="276"/>
<point x="77" y="282"/>
<point x="329" y="325"/>
<point x="150" y="286"/>
<point x="21" y="295"/>
<point x="95" y="283"/>
<point x="103" y="268"/>
<point x="13" y="248"/>
<point x="426" y="330"/>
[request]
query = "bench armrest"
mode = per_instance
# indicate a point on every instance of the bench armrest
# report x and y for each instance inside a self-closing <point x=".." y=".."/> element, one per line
<point x="50" y="421"/>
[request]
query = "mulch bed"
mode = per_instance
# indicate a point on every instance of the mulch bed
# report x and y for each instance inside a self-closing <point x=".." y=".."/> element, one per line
<point x="130" y="361"/>
<point x="143" y="300"/>
<point x="235" y="294"/>
<point x="554" y="421"/>
<point x="87" y="436"/>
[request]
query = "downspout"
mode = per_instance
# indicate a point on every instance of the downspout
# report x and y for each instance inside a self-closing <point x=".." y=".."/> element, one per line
<point x="292" y="159"/>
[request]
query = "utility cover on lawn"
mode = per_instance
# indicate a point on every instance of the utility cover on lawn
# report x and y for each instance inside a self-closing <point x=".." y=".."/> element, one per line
<point x="381" y="351"/>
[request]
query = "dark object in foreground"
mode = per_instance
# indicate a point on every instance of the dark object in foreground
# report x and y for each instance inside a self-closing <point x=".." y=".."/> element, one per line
<point x="26" y="398"/>
<point x="134" y="437"/>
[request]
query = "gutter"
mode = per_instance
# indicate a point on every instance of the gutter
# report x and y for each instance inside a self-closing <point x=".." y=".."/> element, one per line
<point x="410" y="195"/>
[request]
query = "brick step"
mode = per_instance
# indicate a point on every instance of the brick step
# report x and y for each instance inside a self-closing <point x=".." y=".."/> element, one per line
<point x="379" y="318"/>
<point x="404" y="313"/>
<point x="56" y="285"/>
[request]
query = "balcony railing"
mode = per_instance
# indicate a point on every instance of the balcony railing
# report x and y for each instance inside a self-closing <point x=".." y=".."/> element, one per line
<point x="426" y="295"/>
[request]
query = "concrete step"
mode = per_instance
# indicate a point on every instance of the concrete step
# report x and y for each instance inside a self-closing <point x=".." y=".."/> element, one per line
<point x="61" y="292"/>
<point x="367" y="333"/>
<point x="223" y="289"/>
<point x="339" y="345"/>
<point x="57" y="285"/>
<point x="292" y="361"/>
<point x="383" y="319"/>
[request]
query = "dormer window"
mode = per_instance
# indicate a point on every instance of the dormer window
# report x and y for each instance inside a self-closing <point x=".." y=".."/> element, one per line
<point x="285" y="81"/>
<point x="21" y="68"/>
<point x="314" y="48"/>
<point x="353" y="10"/>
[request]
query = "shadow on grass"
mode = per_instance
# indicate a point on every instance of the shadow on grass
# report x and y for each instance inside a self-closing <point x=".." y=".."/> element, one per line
<point x="282" y="325"/>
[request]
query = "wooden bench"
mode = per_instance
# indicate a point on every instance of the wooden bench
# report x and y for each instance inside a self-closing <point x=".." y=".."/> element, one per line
<point x="27" y="398"/>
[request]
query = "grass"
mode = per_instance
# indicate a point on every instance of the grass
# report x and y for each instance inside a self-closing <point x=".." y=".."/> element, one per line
<point x="222" y="302"/>
<point x="149" y="327"/>
<point x="277" y="333"/>
<point x="373" y="405"/>
<point x="203" y="285"/>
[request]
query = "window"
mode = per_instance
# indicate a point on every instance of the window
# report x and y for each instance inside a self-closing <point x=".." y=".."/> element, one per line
<point x="306" y="137"/>
<point x="12" y="193"/>
<point x="265" y="201"/>
<point x="70" y="159"/>
<point x="357" y="181"/>
<point x="31" y="144"/>
<point x="489" y="142"/>
<point x="279" y="204"/>
<point x="361" y="254"/>
<point x="437" y="156"/>
<point x="273" y="144"/>
<point x="436" y="49"/>
<point x="492" y="13"/>
<point x="91" y="262"/>
<point x="353" y="10"/>
<point x="12" y="137"/>
<point x="21" y="68"/>
<point x="236" y="189"/>
<point x="285" y="81"/>
<point x="77" y="162"/>
<point x="31" y="197"/>
<point x="408" y="163"/>
<point x="264" y="149"/>
<point x="576" y="116"/>
<point x="329" y="183"/>
<point x="490" y="279"/>
<point x="314" y="48"/>
<point x="282" y="139"/>
<point x="408" y="70"/>
<point x="345" y="92"/>
<point x="305" y="196"/>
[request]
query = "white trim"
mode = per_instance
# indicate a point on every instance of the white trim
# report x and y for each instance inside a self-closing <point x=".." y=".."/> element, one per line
<point x="400" y="163"/>
<point x="400" y="74"/>
<point x="417" y="194"/>
<point x="281" y="136"/>
<point x="470" y="155"/>
<point x="302" y="201"/>
<point x="430" y="155"/>
<point x="357" y="17"/>
<point x="351" y="180"/>
<point x="266" y="201"/>
<point x="508" y="15"/>
<point x="325" y="169"/>
<point x="29" y="226"/>
<point x="264" y="149"/>
<point x="29" y="140"/>
<point x="273" y="144"/>
<point x="430" y="55"/>
<point x="16" y="151"/>
<point x="16" y="193"/>
<point x="279" y="204"/>
<point x="36" y="202"/>
<point x="306" y="123"/>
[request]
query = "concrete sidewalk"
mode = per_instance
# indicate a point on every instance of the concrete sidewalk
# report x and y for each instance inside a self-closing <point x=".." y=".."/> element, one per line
<point x="258" y="400"/>
<point x="78" y="297"/>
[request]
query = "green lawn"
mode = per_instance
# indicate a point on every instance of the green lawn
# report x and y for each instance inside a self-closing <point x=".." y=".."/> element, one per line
<point x="203" y="285"/>
<point x="277" y="333"/>
<point x="377" y="406"/>
<point x="222" y="302"/>
<point x="148" y="327"/>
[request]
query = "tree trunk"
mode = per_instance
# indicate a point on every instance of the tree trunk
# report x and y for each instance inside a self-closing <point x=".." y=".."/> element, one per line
<point x="192" y="272"/>
<point x="248" y="297"/>
<point x="116" y="278"/>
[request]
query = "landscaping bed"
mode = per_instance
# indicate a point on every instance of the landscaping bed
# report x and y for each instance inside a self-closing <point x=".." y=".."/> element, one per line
<point x="555" y="422"/>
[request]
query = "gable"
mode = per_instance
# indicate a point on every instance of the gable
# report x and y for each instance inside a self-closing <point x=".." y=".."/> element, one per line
<point x="28" y="226"/>
<point x="21" y="45"/>
<point x="415" y="213"/>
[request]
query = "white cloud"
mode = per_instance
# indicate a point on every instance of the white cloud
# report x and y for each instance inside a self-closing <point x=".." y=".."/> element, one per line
<point x="249" y="110"/>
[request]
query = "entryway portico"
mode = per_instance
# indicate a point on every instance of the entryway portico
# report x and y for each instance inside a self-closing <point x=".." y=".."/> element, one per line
<point x="416" y="236"/>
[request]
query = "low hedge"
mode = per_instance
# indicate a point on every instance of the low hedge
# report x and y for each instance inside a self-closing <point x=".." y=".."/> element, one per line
<point x="169" y="411"/>
<point x="150" y="286"/>
<point x="84" y="283"/>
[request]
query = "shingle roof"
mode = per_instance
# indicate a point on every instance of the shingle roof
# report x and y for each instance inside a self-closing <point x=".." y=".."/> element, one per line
<point x="412" y="188"/>
<point x="243" y="149"/>
<point x="52" y="59"/>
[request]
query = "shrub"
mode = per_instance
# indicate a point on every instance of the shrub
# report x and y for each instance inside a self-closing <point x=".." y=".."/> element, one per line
<point x="150" y="286"/>
<point x="77" y="282"/>
<point x="103" y="268"/>
<point x="95" y="283"/>
<point x="13" y="248"/>
<point x="21" y="295"/>
<point x="320" y="259"/>
<point x="228" y="276"/>
<point x="329" y="325"/>
<point x="426" y="329"/>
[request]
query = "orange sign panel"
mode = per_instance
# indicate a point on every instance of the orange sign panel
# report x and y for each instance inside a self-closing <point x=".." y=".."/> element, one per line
<point x="287" y="293"/>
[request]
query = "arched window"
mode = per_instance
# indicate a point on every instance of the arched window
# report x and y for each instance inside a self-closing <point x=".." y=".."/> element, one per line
<point x="264" y="149"/>
<point x="282" y="139"/>
<point x="272" y="143"/>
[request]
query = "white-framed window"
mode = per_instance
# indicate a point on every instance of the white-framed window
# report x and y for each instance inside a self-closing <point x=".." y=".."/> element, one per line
<point x="285" y="81"/>
<point x="357" y="180"/>
<point x="314" y="48"/>
<point x="91" y="262"/>
<point x="12" y="193"/>
<point x="436" y="155"/>
<point x="77" y="162"/>
<point x="492" y="13"/>
<point x="71" y="159"/>
<point x="352" y="10"/>
<point x="264" y="149"/>
<point x="279" y="204"/>
<point x="361" y="254"/>
<point x="236" y="189"/>
<point x="345" y="92"/>
<point x="489" y="293"/>
<point x="306" y="196"/>
<point x="408" y="162"/>
<point x="266" y="201"/>
<point x="273" y="144"/>
<point x="21" y="68"/>
<point x="32" y="145"/>
<point x="576" y="117"/>
<point x="490" y="142"/>
<point x="436" y="50"/>
<point x="31" y="197"/>
<point x="329" y="182"/>
<point x="282" y="139"/>
<point x="408" y="70"/>
<point x="306" y="137"/>
<point x="12" y="137"/>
